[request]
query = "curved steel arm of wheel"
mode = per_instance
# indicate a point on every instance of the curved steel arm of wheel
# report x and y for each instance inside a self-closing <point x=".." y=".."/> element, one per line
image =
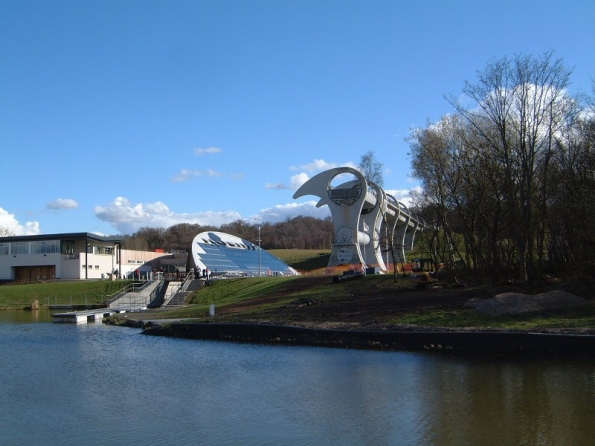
<point x="361" y="211"/>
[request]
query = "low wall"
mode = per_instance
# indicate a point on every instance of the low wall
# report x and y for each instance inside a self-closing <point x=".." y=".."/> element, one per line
<point x="454" y="343"/>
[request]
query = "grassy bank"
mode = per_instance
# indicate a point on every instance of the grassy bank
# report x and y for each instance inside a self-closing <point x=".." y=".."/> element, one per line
<point x="92" y="292"/>
<point x="372" y="300"/>
<point x="303" y="259"/>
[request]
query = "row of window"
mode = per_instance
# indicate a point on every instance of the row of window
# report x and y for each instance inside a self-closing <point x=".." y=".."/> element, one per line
<point x="48" y="247"/>
<point x="222" y="259"/>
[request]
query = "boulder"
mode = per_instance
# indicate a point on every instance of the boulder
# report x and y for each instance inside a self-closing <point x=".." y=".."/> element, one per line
<point x="518" y="303"/>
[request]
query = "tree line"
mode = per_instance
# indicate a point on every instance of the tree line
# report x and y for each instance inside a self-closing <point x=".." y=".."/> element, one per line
<point x="508" y="178"/>
<point x="296" y="233"/>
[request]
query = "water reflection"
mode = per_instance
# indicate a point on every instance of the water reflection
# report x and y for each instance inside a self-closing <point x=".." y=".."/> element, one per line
<point x="108" y="385"/>
<point x="513" y="402"/>
<point x="42" y="315"/>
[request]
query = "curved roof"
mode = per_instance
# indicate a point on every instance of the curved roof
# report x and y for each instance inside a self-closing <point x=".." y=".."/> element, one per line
<point x="225" y="254"/>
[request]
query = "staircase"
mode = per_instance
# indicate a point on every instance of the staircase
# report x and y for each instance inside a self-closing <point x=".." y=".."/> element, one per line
<point x="134" y="297"/>
<point x="180" y="297"/>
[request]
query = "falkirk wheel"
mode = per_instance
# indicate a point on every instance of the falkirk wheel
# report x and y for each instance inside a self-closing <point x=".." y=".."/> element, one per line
<point x="358" y="209"/>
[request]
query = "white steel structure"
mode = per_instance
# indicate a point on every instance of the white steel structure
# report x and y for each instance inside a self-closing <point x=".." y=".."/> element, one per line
<point x="360" y="211"/>
<point x="226" y="255"/>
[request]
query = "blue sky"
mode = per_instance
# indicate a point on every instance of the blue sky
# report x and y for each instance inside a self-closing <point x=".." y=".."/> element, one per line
<point x="122" y="114"/>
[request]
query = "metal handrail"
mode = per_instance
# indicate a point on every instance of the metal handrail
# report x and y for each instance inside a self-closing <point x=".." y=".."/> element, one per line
<point x="187" y="280"/>
<point x="134" y="287"/>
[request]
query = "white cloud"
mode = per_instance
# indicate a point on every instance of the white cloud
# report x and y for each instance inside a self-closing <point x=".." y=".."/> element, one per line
<point x="185" y="175"/>
<point x="282" y="212"/>
<point x="311" y="169"/>
<point x="294" y="182"/>
<point x="127" y="217"/>
<point x="63" y="203"/>
<point x="315" y="166"/>
<point x="9" y="222"/>
<point x="404" y="195"/>
<point x="278" y="186"/>
<point x="299" y="179"/>
<point x="213" y="173"/>
<point x="188" y="174"/>
<point x="207" y="151"/>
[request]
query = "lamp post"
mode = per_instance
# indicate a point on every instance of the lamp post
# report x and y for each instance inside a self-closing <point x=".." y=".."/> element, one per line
<point x="258" y="250"/>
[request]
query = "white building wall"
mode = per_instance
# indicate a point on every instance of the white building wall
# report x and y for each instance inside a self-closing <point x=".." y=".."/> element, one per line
<point x="70" y="267"/>
<point x="94" y="260"/>
<point x="76" y="264"/>
<point x="98" y="266"/>
<point x="133" y="260"/>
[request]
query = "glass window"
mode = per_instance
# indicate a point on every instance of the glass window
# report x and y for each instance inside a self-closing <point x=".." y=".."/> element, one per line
<point x="237" y="258"/>
<point x="4" y="249"/>
<point x="67" y="247"/>
<point x="45" y="247"/>
<point x="20" y="248"/>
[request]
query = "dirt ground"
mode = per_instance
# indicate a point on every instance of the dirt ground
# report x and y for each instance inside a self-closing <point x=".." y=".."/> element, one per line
<point x="370" y="309"/>
<point x="365" y="305"/>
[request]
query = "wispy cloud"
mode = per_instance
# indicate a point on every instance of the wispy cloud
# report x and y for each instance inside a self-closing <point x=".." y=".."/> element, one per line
<point x="188" y="174"/>
<point x="62" y="203"/>
<point x="277" y="186"/>
<point x="213" y="173"/>
<point x="207" y="151"/>
<point x="318" y="165"/>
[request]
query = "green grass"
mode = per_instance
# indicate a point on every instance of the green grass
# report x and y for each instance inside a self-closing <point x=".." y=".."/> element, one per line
<point x="226" y="292"/>
<point x="569" y="318"/>
<point x="95" y="292"/>
<point x="229" y="291"/>
<point x="87" y="292"/>
<point x="232" y="291"/>
<point x="303" y="259"/>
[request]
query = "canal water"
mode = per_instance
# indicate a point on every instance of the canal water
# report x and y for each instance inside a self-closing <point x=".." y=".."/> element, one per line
<point x="97" y="384"/>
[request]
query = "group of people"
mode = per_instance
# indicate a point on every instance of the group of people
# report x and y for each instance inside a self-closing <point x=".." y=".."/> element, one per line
<point x="206" y="273"/>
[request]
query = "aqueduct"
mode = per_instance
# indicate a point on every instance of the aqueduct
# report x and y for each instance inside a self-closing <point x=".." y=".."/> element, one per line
<point x="358" y="210"/>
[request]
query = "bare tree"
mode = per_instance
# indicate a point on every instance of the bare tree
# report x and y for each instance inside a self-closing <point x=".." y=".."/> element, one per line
<point x="519" y="105"/>
<point x="6" y="232"/>
<point x="371" y="169"/>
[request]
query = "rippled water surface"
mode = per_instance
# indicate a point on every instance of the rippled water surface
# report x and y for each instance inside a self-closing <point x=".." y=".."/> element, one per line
<point x="97" y="384"/>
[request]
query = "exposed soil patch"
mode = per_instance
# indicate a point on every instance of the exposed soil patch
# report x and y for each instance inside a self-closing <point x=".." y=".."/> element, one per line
<point x="367" y="304"/>
<point x="362" y="308"/>
<point x="374" y="304"/>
